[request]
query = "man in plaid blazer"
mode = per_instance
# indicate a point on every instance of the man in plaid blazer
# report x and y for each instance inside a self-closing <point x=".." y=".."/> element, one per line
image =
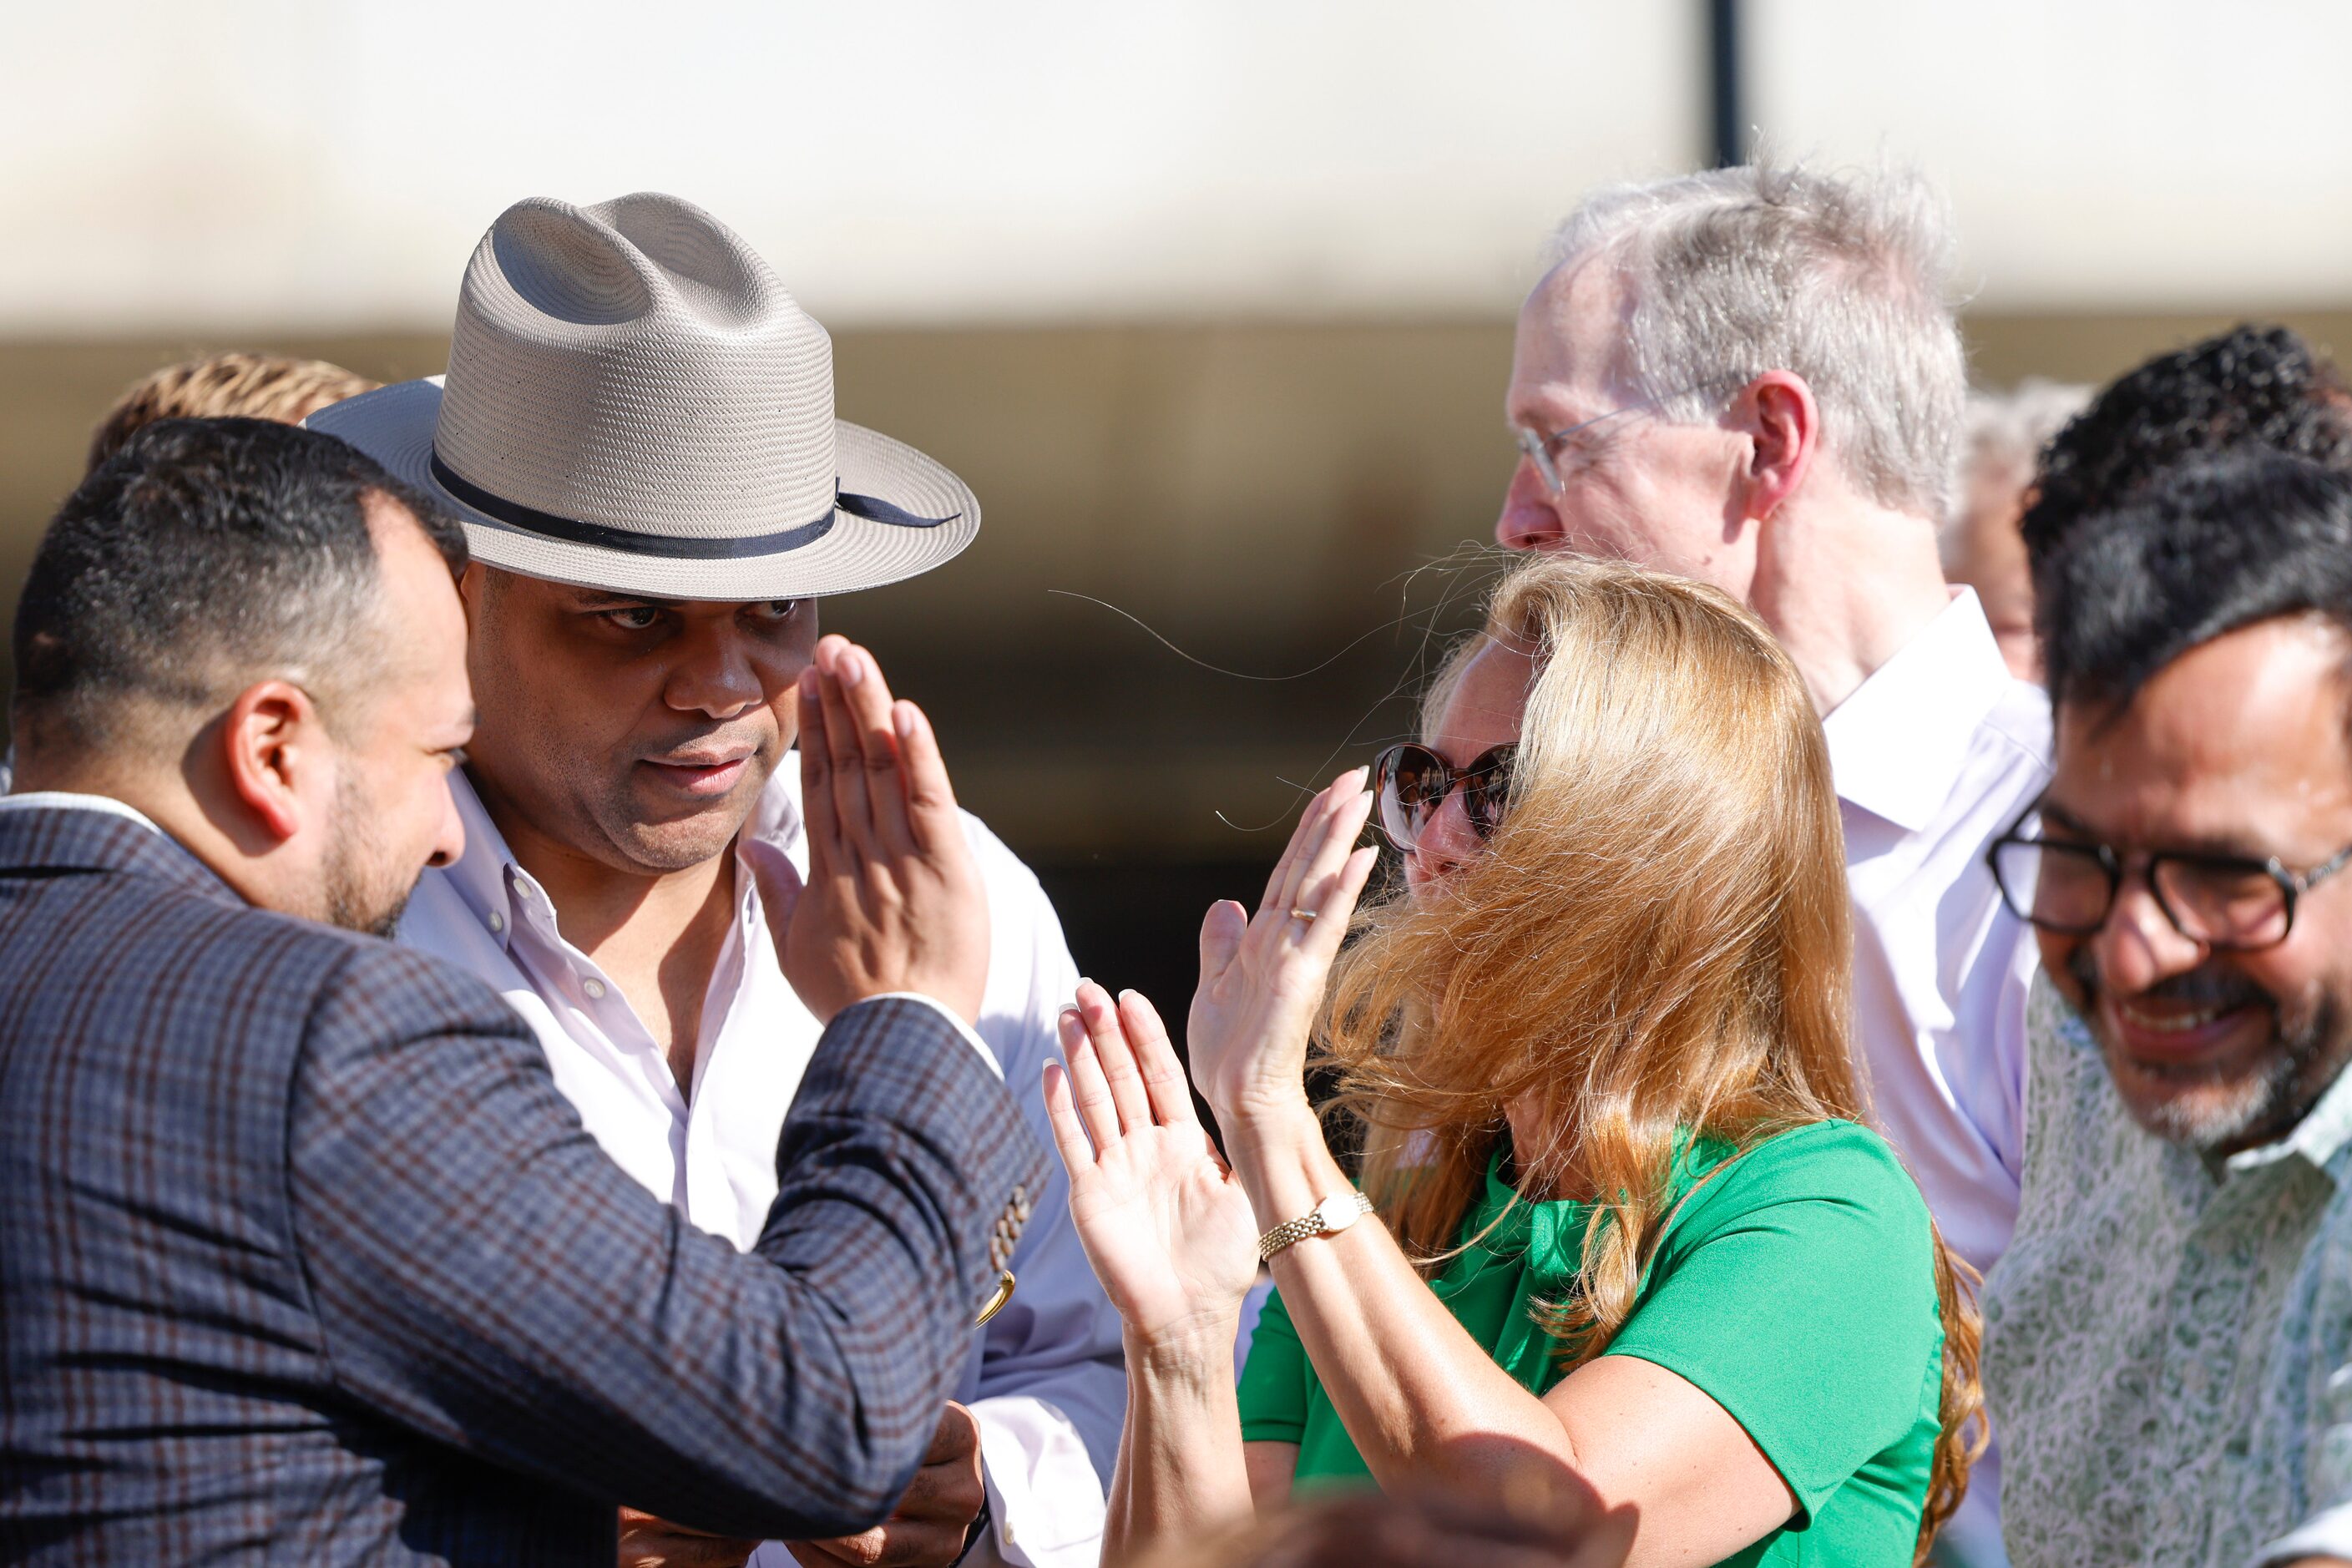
<point x="305" y="1259"/>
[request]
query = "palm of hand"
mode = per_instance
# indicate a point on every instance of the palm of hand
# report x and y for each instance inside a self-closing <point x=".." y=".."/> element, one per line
<point x="1168" y="1228"/>
<point x="1250" y="1020"/>
<point x="1262" y="975"/>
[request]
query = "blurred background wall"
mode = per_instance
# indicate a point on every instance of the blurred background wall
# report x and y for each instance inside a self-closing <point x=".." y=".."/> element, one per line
<point x="1211" y="302"/>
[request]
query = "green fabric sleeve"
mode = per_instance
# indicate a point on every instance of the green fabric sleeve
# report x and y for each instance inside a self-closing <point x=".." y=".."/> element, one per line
<point x="1781" y="1293"/>
<point x="1275" y="1380"/>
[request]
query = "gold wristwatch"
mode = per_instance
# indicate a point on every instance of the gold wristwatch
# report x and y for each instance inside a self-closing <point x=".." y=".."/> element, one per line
<point x="1333" y="1215"/>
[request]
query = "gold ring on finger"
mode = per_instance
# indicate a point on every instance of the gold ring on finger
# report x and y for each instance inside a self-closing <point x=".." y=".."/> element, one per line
<point x="1306" y="916"/>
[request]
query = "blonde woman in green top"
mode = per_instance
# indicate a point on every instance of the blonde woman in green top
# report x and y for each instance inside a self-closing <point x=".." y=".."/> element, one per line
<point x="1631" y="1225"/>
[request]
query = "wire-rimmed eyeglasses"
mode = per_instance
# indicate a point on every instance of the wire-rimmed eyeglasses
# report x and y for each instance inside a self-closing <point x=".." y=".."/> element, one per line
<point x="1541" y="449"/>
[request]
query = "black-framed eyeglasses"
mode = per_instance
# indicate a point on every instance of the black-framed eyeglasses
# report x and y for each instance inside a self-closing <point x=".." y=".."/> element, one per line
<point x="2234" y="903"/>
<point x="1411" y="782"/>
<point x="1540" y="446"/>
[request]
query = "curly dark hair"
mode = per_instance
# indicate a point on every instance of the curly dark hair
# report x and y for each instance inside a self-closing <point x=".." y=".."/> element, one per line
<point x="2226" y="542"/>
<point x="2262" y="386"/>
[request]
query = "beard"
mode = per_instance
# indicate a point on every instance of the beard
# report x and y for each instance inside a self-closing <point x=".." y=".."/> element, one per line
<point x="2219" y="1107"/>
<point x="364" y="893"/>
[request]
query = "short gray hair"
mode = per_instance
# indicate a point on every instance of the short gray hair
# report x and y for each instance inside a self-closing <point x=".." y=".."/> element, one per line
<point x="2008" y="430"/>
<point x="1841" y="280"/>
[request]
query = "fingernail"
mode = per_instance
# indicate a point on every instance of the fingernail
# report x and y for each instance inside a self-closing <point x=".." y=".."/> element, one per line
<point x="902" y="718"/>
<point x="853" y="666"/>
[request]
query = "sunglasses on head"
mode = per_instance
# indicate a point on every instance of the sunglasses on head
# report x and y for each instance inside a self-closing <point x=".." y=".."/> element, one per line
<point x="1411" y="782"/>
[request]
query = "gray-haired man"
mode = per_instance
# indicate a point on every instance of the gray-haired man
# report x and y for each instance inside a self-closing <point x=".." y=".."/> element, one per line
<point x="1751" y="376"/>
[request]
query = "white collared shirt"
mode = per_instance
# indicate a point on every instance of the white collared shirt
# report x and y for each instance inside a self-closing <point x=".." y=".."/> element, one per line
<point x="1934" y="755"/>
<point x="1044" y="1380"/>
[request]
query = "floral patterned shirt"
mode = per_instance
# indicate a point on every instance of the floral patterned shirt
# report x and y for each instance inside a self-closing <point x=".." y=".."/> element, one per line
<point x="2166" y="1339"/>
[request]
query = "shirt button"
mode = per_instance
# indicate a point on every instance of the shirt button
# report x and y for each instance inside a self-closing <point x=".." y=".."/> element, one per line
<point x="497" y="921"/>
<point x="595" y="989"/>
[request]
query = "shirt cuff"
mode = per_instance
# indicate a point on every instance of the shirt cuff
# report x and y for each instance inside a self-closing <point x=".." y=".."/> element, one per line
<point x="2328" y="1533"/>
<point x="971" y="1035"/>
<point x="1044" y="1499"/>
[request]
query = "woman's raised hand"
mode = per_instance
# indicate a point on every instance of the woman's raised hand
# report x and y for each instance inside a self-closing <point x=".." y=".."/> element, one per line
<point x="1262" y="974"/>
<point x="1168" y="1229"/>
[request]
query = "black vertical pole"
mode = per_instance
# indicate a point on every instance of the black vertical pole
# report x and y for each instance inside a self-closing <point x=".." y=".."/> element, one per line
<point x="1730" y="138"/>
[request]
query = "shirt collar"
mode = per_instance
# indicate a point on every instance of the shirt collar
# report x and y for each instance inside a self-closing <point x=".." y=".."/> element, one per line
<point x="486" y="876"/>
<point x="2323" y="1132"/>
<point x="69" y="800"/>
<point x="1897" y="744"/>
<point x="478" y="875"/>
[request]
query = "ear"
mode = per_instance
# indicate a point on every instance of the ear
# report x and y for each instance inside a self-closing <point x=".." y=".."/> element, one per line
<point x="272" y="738"/>
<point x="1783" y="425"/>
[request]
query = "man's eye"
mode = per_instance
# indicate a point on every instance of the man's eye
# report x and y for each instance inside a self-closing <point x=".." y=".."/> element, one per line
<point x="634" y="618"/>
<point x="776" y="609"/>
<point x="1576" y="453"/>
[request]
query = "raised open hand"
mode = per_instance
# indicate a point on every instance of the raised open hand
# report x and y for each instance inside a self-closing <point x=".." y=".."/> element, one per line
<point x="1169" y="1230"/>
<point x="893" y="901"/>
<point x="1262" y="975"/>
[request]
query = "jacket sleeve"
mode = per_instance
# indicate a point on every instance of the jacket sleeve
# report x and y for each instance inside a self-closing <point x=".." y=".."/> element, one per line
<point x="484" y="1275"/>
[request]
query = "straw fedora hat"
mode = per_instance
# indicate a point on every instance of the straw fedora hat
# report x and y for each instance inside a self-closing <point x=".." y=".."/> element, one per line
<point x="634" y="402"/>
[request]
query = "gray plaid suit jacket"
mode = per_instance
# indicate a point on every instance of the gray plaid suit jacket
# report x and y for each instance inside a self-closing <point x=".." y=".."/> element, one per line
<point x="304" y="1259"/>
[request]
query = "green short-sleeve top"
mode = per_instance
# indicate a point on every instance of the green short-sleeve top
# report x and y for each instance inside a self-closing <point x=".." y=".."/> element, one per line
<point x="1795" y="1287"/>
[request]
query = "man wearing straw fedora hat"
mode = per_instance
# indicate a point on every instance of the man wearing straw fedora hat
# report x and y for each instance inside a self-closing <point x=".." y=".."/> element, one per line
<point x="637" y="430"/>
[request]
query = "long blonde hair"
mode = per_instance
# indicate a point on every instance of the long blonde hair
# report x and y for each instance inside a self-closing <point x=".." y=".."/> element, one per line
<point x="1655" y="940"/>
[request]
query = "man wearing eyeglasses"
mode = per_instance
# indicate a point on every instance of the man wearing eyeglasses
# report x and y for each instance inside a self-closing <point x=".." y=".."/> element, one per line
<point x="1751" y="376"/>
<point x="2168" y="1338"/>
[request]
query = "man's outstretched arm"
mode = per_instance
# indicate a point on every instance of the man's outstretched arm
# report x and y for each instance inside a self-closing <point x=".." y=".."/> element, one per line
<point x="486" y="1276"/>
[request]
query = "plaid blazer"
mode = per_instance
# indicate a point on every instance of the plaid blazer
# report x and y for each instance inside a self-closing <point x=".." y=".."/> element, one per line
<point x="304" y="1259"/>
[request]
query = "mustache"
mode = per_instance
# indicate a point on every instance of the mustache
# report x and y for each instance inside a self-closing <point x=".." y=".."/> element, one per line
<point x="733" y="731"/>
<point x="2204" y="988"/>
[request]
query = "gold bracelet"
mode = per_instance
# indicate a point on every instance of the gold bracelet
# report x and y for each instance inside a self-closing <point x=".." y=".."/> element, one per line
<point x="1333" y="1215"/>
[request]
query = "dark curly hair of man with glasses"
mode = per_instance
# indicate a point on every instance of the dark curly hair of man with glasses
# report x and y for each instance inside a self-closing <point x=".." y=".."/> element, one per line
<point x="2227" y="541"/>
<point x="2250" y="387"/>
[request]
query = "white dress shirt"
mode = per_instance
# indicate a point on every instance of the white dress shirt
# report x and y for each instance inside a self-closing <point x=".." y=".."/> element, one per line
<point x="1934" y="755"/>
<point x="1044" y="1380"/>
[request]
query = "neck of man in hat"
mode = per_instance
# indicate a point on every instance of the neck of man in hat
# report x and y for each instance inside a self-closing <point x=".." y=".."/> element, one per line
<point x="1755" y="502"/>
<point x="623" y="742"/>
